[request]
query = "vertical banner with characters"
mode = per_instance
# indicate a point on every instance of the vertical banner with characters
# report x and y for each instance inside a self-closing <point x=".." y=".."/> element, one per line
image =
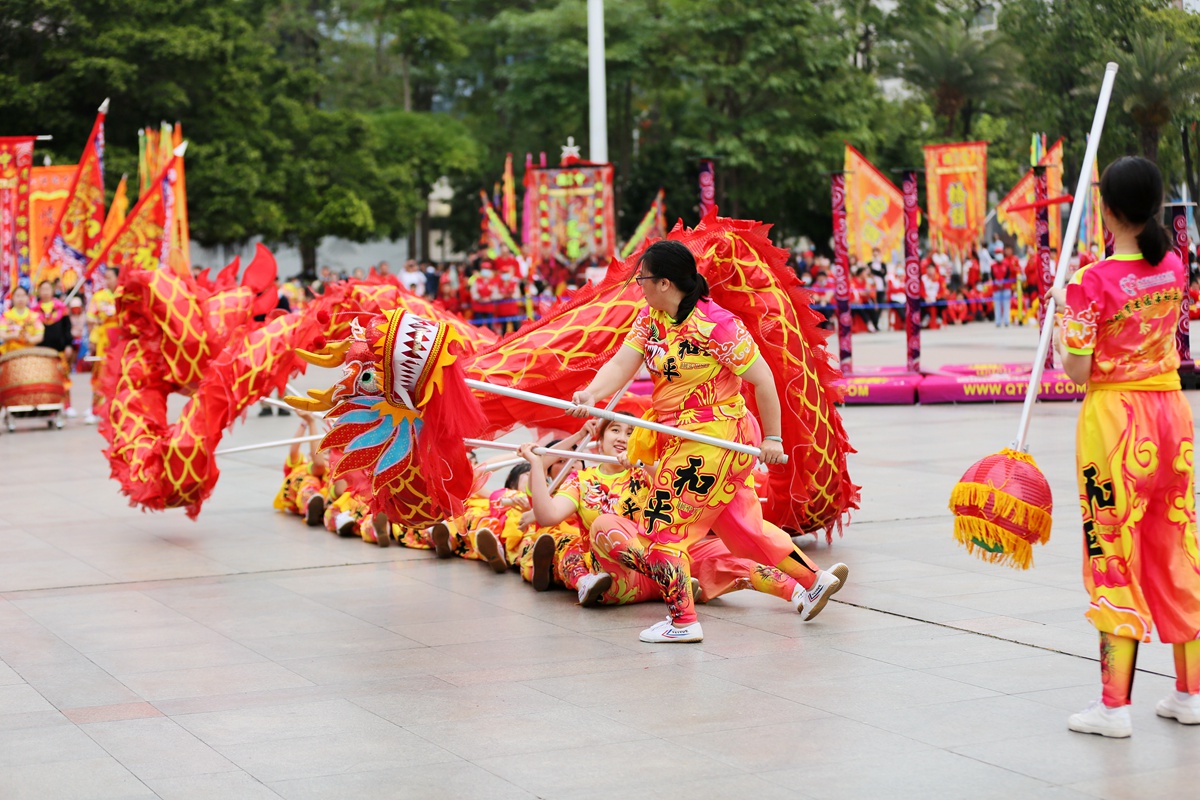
<point x="841" y="272"/>
<point x="1183" y="334"/>
<point x="1022" y="222"/>
<point x="16" y="165"/>
<point x="708" y="187"/>
<point x="874" y="209"/>
<point x="912" y="271"/>
<point x="76" y="239"/>
<point x="49" y="188"/>
<point x="576" y="222"/>
<point x="1041" y="232"/>
<point x="956" y="193"/>
<point x="142" y="241"/>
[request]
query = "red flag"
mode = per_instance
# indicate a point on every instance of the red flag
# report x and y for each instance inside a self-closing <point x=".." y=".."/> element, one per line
<point x="77" y="234"/>
<point x="140" y="241"/>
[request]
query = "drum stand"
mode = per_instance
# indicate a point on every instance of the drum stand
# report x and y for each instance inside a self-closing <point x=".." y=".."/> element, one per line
<point x="51" y="412"/>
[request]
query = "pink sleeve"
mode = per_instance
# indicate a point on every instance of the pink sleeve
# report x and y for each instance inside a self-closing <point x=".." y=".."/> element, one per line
<point x="1080" y="316"/>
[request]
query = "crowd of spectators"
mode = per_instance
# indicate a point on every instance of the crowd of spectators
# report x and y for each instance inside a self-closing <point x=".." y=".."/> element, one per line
<point x="991" y="284"/>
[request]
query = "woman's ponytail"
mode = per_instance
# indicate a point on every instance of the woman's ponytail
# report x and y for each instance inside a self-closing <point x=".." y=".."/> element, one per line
<point x="672" y="260"/>
<point x="1154" y="241"/>
<point x="1132" y="188"/>
<point x="698" y="292"/>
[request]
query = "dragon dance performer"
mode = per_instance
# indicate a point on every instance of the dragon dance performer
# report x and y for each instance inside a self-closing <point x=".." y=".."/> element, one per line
<point x="698" y="355"/>
<point x="608" y="500"/>
<point x="303" y="489"/>
<point x="102" y="324"/>
<point x="20" y="326"/>
<point x="1133" y="450"/>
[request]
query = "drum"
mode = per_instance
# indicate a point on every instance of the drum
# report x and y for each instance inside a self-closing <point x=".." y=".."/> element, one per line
<point x="31" y="376"/>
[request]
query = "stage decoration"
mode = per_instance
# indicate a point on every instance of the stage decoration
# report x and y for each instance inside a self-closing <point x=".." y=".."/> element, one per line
<point x="575" y="223"/>
<point x="494" y="234"/>
<point x="708" y="187"/>
<point x="1023" y="223"/>
<point x="874" y="209"/>
<point x="1003" y="503"/>
<point x="956" y="193"/>
<point x="76" y="239"/>
<point x="558" y="355"/>
<point x="841" y="272"/>
<point x="912" y="273"/>
<point x="652" y="227"/>
<point x="400" y="414"/>
<point x="16" y="164"/>
<point x="1183" y="334"/>
<point x="49" y="188"/>
<point x="175" y="335"/>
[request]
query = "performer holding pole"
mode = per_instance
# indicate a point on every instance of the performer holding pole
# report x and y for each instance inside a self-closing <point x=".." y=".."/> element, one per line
<point x="1134" y="449"/>
<point x="698" y="355"/>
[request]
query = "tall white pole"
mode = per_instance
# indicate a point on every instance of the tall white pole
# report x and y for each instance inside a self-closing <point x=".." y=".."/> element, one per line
<point x="597" y="96"/>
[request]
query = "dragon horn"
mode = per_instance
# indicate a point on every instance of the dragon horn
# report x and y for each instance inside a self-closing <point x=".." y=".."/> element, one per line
<point x="332" y="355"/>
<point x="317" y="400"/>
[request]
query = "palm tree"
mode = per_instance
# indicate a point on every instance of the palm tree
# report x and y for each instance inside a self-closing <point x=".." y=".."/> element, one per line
<point x="960" y="70"/>
<point x="1156" y="79"/>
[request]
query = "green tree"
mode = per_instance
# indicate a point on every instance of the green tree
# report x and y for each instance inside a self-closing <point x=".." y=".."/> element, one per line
<point x="961" y="71"/>
<point x="1154" y="82"/>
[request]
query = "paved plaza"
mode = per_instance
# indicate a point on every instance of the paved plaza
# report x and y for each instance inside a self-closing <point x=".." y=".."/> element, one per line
<point x="245" y="655"/>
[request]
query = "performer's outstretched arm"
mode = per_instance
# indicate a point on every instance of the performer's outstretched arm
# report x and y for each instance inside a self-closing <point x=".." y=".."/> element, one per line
<point x="610" y="378"/>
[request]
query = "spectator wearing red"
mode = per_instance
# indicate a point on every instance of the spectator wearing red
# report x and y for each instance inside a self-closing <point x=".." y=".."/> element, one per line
<point x="1004" y="273"/>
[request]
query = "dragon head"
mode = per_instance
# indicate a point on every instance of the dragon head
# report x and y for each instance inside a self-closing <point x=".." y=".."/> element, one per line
<point x="400" y="404"/>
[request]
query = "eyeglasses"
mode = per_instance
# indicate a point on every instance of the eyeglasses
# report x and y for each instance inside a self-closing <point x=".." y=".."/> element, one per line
<point x="640" y="278"/>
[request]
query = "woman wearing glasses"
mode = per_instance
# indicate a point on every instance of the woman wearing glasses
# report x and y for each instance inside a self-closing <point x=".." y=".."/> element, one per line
<point x="699" y="355"/>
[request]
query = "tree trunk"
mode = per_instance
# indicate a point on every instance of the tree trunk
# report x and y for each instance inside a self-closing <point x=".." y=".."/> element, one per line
<point x="1149" y="137"/>
<point x="406" y="73"/>
<point x="308" y="259"/>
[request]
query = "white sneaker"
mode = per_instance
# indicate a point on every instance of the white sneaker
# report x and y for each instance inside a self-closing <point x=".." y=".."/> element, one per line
<point x="1100" y="719"/>
<point x="70" y="413"/>
<point x="592" y="587"/>
<point x="666" y="631"/>
<point x="810" y="602"/>
<point x="90" y="419"/>
<point x="1181" y="707"/>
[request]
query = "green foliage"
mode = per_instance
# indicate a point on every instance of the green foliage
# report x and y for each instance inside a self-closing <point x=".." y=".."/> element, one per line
<point x="310" y="118"/>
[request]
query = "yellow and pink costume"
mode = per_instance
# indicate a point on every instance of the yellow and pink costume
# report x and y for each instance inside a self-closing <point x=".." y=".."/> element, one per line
<point x="695" y="366"/>
<point x="299" y="486"/>
<point x="1134" y="445"/>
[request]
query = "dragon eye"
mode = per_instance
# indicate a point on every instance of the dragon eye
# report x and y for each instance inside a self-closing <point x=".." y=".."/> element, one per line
<point x="367" y="381"/>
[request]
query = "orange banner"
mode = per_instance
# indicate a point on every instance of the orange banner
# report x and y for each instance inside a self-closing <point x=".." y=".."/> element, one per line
<point x="874" y="210"/>
<point x="956" y="193"/>
<point x="140" y="242"/>
<point x="48" y="191"/>
<point x="1021" y="223"/>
